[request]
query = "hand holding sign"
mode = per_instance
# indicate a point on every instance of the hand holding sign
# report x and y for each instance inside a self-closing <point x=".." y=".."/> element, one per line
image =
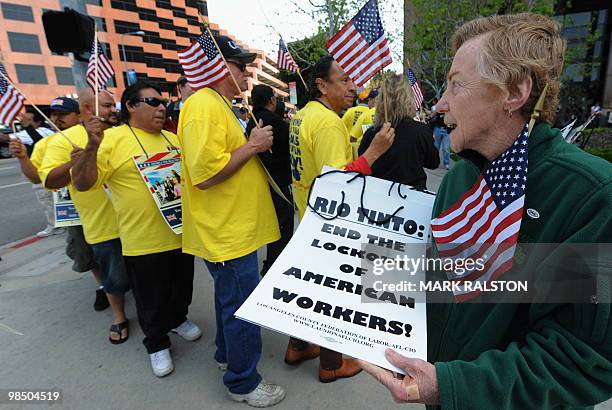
<point x="95" y="131"/>
<point x="421" y="386"/>
<point x="261" y="138"/>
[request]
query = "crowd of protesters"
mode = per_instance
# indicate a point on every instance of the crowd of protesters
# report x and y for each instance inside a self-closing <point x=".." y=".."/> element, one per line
<point x="481" y="356"/>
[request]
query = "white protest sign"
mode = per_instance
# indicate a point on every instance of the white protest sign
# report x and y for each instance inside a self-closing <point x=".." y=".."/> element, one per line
<point x="65" y="212"/>
<point x="319" y="289"/>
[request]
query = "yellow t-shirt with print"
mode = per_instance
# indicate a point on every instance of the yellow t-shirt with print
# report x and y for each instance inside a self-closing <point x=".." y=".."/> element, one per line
<point x="232" y="218"/>
<point x="317" y="137"/>
<point x="94" y="206"/>
<point x="366" y="118"/>
<point x="351" y="115"/>
<point x="142" y="228"/>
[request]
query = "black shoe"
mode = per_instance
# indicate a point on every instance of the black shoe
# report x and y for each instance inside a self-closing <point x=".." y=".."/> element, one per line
<point x="101" y="302"/>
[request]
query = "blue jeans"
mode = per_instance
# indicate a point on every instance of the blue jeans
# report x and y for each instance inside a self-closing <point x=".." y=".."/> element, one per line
<point x="238" y="342"/>
<point x="109" y="258"/>
<point x="442" y="142"/>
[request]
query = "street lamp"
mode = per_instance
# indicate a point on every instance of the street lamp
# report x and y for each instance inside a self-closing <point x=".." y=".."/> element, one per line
<point x="131" y="33"/>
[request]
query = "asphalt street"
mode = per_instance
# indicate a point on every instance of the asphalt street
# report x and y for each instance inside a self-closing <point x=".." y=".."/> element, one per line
<point x="21" y="214"/>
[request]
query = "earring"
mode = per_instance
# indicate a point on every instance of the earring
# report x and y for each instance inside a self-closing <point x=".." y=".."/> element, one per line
<point x="509" y="113"/>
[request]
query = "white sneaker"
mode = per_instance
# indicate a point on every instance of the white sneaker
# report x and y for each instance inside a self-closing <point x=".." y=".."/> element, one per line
<point x="222" y="366"/>
<point x="188" y="331"/>
<point x="161" y="363"/>
<point x="264" y="395"/>
<point x="50" y="230"/>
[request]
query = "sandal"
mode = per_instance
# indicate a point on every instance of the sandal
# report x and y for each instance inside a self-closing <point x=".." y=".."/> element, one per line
<point x="118" y="328"/>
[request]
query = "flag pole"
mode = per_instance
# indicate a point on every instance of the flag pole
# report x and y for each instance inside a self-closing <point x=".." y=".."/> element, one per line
<point x="228" y="69"/>
<point x="299" y="73"/>
<point x="383" y="90"/>
<point x="38" y="110"/>
<point x="538" y="108"/>
<point x="96" y="67"/>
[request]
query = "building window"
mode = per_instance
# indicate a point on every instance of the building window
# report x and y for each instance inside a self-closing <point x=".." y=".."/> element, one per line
<point x="31" y="74"/>
<point x="64" y="76"/>
<point x="94" y="2"/>
<point x="24" y="43"/>
<point x="17" y="12"/>
<point x="100" y="22"/>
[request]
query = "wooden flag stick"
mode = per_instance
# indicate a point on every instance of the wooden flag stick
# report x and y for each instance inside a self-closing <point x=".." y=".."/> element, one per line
<point x="39" y="111"/>
<point x="383" y="90"/>
<point x="299" y="73"/>
<point x="538" y="108"/>
<point x="230" y="71"/>
<point x="96" y="67"/>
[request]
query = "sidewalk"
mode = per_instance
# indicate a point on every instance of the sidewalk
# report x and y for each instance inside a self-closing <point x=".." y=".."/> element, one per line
<point x="64" y="345"/>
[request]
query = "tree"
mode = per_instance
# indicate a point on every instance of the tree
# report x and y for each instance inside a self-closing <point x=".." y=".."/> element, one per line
<point x="427" y="44"/>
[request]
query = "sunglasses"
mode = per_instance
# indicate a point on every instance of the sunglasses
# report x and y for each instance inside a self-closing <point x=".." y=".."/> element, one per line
<point x="152" y="101"/>
<point x="241" y="66"/>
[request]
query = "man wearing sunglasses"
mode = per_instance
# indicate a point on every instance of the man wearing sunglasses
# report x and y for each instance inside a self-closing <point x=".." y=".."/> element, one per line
<point x="227" y="215"/>
<point x="161" y="275"/>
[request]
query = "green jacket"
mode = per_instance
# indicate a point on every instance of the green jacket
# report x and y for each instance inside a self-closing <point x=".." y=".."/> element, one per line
<point x="533" y="356"/>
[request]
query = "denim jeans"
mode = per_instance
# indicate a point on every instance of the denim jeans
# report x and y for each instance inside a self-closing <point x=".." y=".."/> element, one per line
<point x="442" y="142"/>
<point x="114" y="274"/>
<point x="238" y="342"/>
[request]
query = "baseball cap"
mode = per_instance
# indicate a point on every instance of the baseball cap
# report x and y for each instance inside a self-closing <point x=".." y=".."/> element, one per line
<point x="230" y="49"/>
<point x="64" y="104"/>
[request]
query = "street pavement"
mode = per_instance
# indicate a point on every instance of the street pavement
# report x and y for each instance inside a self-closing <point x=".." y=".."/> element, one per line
<point x="52" y="338"/>
<point x="20" y="213"/>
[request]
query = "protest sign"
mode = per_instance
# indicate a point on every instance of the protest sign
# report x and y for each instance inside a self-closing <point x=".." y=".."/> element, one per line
<point x="161" y="172"/>
<point x="292" y="92"/>
<point x="317" y="289"/>
<point x="64" y="209"/>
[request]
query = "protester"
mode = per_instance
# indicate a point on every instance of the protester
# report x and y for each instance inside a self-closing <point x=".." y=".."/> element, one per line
<point x="243" y="117"/>
<point x="276" y="161"/>
<point x="509" y="355"/>
<point x="317" y="138"/>
<point x="227" y="215"/>
<point x="366" y="119"/>
<point x="96" y="213"/>
<point x="350" y="117"/>
<point x="441" y="136"/>
<point x="173" y="111"/>
<point x="33" y="130"/>
<point x="413" y="148"/>
<point x="161" y="275"/>
<point x="280" y="109"/>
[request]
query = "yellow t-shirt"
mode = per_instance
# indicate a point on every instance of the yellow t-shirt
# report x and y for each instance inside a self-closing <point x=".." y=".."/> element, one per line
<point x="317" y="137"/>
<point x="351" y="115"/>
<point x="366" y="118"/>
<point x="142" y="228"/>
<point x="38" y="154"/>
<point x="94" y="206"/>
<point x="232" y="218"/>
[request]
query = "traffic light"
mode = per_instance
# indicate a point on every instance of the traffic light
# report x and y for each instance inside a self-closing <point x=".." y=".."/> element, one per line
<point x="68" y="31"/>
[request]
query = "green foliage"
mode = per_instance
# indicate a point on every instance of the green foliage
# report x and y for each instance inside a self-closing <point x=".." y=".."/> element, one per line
<point x="429" y="47"/>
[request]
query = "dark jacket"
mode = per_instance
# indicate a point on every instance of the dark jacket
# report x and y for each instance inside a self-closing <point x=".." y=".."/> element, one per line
<point x="277" y="161"/>
<point x="528" y="356"/>
<point x="412" y="150"/>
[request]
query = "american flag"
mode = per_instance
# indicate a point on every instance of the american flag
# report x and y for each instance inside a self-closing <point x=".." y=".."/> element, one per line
<point x="486" y="220"/>
<point x="285" y="61"/>
<point x="202" y="63"/>
<point x="105" y="69"/>
<point x="416" y="88"/>
<point x="361" y="48"/>
<point x="11" y="101"/>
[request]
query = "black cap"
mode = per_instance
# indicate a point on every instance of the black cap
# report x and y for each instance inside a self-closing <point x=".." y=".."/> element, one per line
<point x="230" y="49"/>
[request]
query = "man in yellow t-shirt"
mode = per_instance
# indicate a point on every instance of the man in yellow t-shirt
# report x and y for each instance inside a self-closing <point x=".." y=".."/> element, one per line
<point x="161" y="275"/>
<point x="364" y="121"/>
<point x="228" y="214"/>
<point x="352" y="115"/>
<point x="98" y="218"/>
<point x="318" y="137"/>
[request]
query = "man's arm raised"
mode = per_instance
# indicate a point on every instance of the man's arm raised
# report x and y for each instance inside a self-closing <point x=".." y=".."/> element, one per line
<point x="85" y="168"/>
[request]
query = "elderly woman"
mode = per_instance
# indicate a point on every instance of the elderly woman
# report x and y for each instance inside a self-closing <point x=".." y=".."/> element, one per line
<point x="510" y="355"/>
<point x="413" y="147"/>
